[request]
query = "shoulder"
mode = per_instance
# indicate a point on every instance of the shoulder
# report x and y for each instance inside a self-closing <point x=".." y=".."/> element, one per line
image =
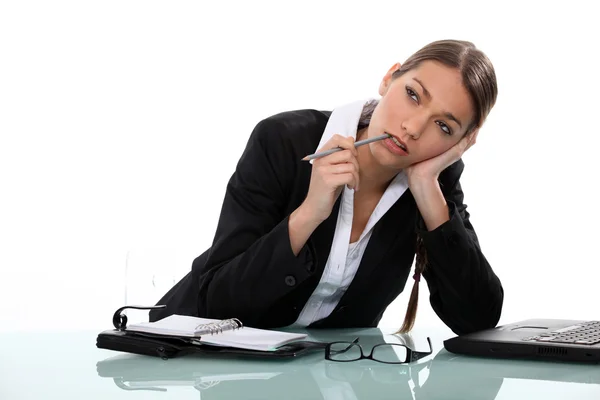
<point x="295" y="120"/>
<point x="301" y="129"/>
<point x="280" y="141"/>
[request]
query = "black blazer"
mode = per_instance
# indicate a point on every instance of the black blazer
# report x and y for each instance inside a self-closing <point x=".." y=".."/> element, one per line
<point x="251" y="273"/>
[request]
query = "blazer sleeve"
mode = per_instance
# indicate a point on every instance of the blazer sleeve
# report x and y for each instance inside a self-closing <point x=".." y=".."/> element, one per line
<point x="251" y="265"/>
<point x="464" y="290"/>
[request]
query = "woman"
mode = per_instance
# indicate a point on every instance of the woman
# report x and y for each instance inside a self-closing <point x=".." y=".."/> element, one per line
<point x="330" y="243"/>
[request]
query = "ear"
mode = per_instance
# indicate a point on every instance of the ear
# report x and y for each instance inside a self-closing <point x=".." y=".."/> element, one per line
<point x="387" y="79"/>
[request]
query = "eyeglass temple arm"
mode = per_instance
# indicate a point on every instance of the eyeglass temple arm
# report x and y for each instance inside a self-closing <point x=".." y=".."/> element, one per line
<point x="417" y="355"/>
<point x="355" y="341"/>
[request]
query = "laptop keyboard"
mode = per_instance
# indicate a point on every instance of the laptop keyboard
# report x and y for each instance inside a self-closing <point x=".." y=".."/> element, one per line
<point x="584" y="333"/>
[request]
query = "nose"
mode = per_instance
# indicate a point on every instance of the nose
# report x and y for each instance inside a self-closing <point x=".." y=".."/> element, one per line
<point x="415" y="124"/>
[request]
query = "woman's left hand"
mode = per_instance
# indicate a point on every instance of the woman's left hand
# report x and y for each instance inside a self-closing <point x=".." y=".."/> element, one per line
<point x="430" y="169"/>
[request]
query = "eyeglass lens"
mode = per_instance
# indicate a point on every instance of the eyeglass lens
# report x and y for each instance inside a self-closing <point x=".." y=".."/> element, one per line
<point x="388" y="353"/>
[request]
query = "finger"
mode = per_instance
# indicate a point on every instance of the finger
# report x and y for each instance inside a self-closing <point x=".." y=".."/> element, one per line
<point x="463" y="144"/>
<point x="354" y="162"/>
<point x="337" y="180"/>
<point x="466" y="141"/>
<point x="355" y="169"/>
<point x="472" y="139"/>
<point x="348" y="143"/>
<point x="473" y="135"/>
<point x="469" y="146"/>
<point x="342" y="169"/>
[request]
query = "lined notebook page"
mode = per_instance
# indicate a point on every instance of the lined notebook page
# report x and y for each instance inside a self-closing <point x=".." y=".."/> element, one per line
<point x="244" y="338"/>
<point x="252" y="338"/>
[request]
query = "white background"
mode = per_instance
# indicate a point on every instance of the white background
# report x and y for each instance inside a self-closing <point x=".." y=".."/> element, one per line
<point x="121" y="122"/>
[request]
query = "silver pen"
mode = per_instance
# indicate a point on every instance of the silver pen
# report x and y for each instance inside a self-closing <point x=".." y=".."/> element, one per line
<point x="336" y="149"/>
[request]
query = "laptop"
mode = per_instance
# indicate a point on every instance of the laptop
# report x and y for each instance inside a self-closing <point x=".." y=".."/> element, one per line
<point x="539" y="339"/>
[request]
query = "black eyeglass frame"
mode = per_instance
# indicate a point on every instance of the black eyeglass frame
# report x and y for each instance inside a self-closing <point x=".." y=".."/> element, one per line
<point x="411" y="355"/>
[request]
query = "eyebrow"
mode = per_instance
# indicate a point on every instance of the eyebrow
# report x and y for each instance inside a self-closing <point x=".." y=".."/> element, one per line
<point x="447" y="114"/>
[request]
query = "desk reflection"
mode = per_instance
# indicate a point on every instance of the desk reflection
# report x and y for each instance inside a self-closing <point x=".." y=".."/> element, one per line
<point x="440" y="376"/>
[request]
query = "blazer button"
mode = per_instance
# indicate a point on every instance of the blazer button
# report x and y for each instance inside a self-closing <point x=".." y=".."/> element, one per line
<point x="290" y="280"/>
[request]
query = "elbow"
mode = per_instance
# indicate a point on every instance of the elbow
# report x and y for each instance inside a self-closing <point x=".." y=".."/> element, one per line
<point x="490" y="316"/>
<point x="213" y="300"/>
<point x="496" y="310"/>
<point x="486" y="305"/>
<point x="485" y="315"/>
<point x="220" y="300"/>
<point x="492" y="308"/>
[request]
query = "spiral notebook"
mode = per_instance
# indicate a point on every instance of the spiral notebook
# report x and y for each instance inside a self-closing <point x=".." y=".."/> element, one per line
<point x="228" y="332"/>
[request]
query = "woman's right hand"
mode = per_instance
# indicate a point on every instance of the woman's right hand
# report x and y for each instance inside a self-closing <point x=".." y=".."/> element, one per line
<point x="329" y="175"/>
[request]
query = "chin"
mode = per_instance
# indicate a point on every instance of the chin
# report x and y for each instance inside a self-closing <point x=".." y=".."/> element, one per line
<point x="395" y="164"/>
<point x="392" y="161"/>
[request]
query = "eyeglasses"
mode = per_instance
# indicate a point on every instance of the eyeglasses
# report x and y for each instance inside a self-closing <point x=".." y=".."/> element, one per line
<point x="389" y="353"/>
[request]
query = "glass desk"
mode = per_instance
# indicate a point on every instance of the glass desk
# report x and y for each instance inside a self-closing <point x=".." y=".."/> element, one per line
<point x="69" y="366"/>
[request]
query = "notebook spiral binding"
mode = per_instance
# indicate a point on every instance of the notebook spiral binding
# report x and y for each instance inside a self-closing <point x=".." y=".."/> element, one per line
<point x="220" y="326"/>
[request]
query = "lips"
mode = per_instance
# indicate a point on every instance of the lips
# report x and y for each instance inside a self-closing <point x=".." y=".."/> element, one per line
<point x="398" y="142"/>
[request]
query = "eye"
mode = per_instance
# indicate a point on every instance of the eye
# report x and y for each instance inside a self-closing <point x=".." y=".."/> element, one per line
<point x="412" y="94"/>
<point x="445" y="128"/>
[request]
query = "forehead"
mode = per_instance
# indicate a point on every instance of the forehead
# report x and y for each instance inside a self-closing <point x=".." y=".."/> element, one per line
<point x="448" y="94"/>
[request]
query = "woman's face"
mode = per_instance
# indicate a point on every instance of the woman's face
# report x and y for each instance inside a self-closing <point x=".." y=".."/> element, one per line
<point x="427" y="110"/>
